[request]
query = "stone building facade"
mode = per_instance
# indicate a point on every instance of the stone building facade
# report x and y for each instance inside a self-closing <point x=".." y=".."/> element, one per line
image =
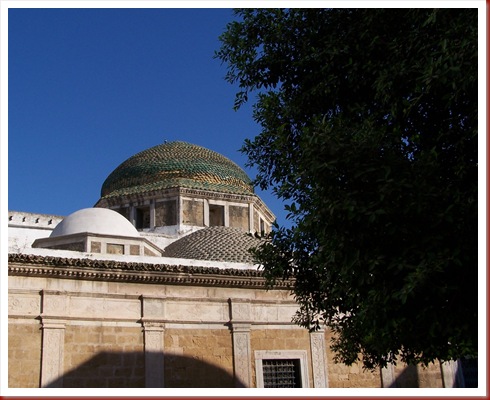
<point x="155" y="287"/>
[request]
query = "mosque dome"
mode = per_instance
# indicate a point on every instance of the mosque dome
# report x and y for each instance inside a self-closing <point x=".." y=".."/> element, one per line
<point x="217" y="243"/>
<point x="100" y="221"/>
<point x="176" y="164"/>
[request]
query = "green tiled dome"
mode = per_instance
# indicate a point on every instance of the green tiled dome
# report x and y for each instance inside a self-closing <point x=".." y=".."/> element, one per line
<point x="176" y="164"/>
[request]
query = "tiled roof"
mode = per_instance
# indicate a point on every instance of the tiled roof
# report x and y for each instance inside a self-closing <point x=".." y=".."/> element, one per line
<point x="176" y="164"/>
<point x="119" y="271"/>
<point x="217" y="243"/>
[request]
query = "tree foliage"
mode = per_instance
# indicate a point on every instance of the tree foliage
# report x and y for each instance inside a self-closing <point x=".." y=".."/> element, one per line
<point x="369" y="135"/>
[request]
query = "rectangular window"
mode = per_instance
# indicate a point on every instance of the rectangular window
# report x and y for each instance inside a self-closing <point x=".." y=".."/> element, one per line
<point x="281" y="368"/>
<point x="216" y="215"/>
<point x="142" y="217"/>
<point x="281" y="373"/>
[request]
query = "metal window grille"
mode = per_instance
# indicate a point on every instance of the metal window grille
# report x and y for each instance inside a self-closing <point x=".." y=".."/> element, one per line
<point x="281" y="373"/>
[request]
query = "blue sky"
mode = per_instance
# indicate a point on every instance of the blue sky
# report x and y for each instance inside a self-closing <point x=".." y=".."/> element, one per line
<point x="88" y="88"/>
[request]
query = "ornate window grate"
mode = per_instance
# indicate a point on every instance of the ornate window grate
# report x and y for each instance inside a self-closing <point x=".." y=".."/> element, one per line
<point x="281" y="373"/>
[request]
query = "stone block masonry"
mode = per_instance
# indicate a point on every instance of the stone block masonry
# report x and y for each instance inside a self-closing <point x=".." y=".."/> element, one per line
<point x="198" y="358"/>
<point x="103" y="356"/>
<point x="24" y="354"/>
<point x="97" y="332"/>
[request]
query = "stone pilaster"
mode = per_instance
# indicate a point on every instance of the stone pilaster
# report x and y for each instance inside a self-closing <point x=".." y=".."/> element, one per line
<point x="251" y="217"/>
<point x="54" y="309"/>
<point x="388" y="376"/>
<point x="153" y="317"/>
<point x="180" y="212"/>
<point x="53" y="344"/>
<point x="206" y="212"/>
<point x="319" y="359"/>
<point x="154" y="354"/>
<point x="451" y="374"/>
<point x="226" y="216"/>
<point x="242" y="356"/>
<point x="152" y="214"/>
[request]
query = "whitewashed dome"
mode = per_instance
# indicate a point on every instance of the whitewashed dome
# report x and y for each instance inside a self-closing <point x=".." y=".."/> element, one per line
<point x="101" y="221"/>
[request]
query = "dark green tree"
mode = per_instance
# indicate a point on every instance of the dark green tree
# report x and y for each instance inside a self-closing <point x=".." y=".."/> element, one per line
<point x="369" y="135"/>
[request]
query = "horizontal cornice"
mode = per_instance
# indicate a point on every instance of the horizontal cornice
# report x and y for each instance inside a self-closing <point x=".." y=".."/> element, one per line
<point x="133" y="272"/>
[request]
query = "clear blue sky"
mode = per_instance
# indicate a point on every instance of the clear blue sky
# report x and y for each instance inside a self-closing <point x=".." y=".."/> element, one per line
<point x="89" y="88"/>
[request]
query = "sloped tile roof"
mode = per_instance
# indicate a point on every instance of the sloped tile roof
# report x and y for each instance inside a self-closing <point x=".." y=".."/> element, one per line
<point x="217" y="243"/>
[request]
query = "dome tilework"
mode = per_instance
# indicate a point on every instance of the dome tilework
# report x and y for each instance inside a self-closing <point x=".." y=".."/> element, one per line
<point x="217" y="243"/>
<point x="176" y="164"/>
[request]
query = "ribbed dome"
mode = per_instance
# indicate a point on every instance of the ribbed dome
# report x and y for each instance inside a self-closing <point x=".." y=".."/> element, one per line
<point x="176" y="164"/>
<point x="217" y="243"/>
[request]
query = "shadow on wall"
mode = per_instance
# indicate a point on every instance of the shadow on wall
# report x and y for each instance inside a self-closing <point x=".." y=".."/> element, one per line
<point x="409" y="378"/>
<point x="127" y="369"/>
<point x="467" y="373"/>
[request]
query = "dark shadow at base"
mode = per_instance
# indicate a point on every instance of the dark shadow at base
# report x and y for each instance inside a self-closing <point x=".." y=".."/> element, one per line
<point x="127" y="370"/>
<point x="467" y="373"/>
<point x="409" y="378"/>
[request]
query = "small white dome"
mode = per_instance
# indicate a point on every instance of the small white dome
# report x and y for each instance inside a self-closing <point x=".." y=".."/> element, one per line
<point x="95" y="220"/>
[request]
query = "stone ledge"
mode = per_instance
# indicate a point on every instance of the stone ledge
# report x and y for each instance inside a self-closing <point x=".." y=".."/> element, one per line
<point x="106" y="270"/>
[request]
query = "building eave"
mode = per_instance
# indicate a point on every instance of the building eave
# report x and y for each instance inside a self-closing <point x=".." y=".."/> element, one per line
<point x="130" y="272"/>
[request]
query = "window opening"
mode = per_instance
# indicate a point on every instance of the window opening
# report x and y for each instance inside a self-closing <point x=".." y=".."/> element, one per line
<point x="216" y="215"/>
<point x="282" y="373"/>
<point x="142" y="217"/>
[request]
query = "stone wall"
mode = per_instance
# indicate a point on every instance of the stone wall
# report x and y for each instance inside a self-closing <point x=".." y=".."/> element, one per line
<point x="280" y="339"/>
<point x="239" y="217"/>
<point x="24" y="354"/>
<point x="114" y="356"/>
<point x="96" y="333"/>
<point x="430" y="376"/>
<point x="193" y="212"/>
<point x="395" y="376"/>
<point x="108" y="332"/>
<point x="103" y="356"/>
<point x="256" y="221"/>
<point x="78" y="246"/>
<point x="198" y="358"/>
<point x="413" y="376"/>
<point x="166" y="213"/>
<point x="344" y="376"/>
